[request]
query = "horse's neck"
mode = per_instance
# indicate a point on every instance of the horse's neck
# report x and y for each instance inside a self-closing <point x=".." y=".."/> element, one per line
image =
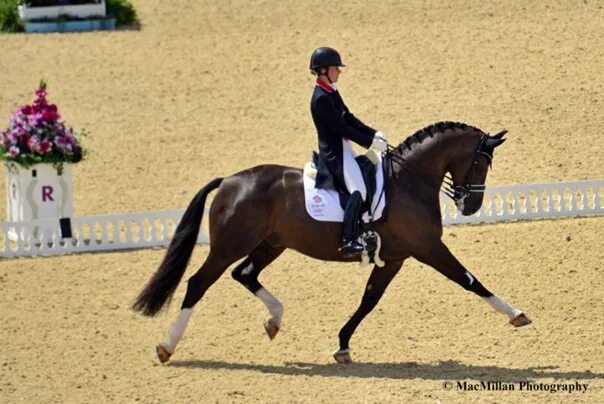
<point x="426" y="160"/>
<point x="431" y="158"/>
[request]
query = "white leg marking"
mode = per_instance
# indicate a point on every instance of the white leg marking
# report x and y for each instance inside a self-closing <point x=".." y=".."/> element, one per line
<point x="178" y="329"/>
<point x="247" y="270"/>
<point x="274" y="306"/>
<point x="503" y="306"/>
<point x="470" y="277"/>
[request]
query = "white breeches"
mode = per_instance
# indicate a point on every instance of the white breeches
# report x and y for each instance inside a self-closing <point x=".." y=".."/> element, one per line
<point x="352" y="171"/>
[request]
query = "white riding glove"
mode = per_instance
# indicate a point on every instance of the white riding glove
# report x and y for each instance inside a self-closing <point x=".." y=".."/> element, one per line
<point x="382" y="135"/>
<point x="379" y="142"/>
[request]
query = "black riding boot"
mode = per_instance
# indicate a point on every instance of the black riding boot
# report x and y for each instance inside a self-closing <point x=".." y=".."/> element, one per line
<point x="350" y="245"/>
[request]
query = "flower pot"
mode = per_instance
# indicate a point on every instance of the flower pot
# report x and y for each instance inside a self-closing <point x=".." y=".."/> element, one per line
<point x="100" y="24"/>
<point x="39" y="192"/>
<point x="53" y="12"/>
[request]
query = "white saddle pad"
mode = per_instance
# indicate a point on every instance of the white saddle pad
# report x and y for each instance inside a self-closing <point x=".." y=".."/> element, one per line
<point x="324" y="205"/>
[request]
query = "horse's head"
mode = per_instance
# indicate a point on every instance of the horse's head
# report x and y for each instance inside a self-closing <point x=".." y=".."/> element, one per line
<point x="469" y="173"/>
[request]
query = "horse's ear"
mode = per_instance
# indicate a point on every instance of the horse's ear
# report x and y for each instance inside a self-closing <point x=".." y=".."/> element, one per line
<point x="493" y="142"/>
<point x="500" y="134"/>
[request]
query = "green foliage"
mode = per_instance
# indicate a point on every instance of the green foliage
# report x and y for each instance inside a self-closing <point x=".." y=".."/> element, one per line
<point x="9" y="18"/>
<point x="123" y="11"/>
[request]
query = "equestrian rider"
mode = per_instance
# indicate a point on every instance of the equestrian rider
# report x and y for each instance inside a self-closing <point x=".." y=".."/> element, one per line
<point x="337" y="127"/>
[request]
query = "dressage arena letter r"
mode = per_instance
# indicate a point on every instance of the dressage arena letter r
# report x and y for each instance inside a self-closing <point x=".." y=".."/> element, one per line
<point x="47" y="193"/>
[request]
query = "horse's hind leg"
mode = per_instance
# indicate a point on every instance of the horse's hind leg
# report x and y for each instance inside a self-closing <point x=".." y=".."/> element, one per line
<point x="441" y="259"/>
<point x="197" y="285"/>
<point x="247" y="273"/>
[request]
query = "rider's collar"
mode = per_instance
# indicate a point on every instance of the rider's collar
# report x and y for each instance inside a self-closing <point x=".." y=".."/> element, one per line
<point x="330" y="88"/>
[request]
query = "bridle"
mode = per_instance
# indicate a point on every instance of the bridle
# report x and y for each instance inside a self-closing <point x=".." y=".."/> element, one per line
<point x="458" y="193"/>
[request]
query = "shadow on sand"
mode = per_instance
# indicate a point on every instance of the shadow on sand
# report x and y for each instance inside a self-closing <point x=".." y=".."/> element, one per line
<point x="447" y="370"/>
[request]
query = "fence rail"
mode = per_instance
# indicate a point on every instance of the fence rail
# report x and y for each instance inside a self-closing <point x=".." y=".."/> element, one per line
<point x="92" y="233"/>
<point x="533" y="201"/>
<point x="155" y="229"/>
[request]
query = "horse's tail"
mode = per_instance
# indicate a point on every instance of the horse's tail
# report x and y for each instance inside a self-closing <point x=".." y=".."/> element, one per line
<point x="162" y="285"/>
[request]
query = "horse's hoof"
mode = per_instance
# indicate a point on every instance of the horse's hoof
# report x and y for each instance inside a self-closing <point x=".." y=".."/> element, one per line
<point x="162" y="353"/>
<point x="342" y="356"/>
<point x="271" y="328"/>
<point x="520" y="320"/>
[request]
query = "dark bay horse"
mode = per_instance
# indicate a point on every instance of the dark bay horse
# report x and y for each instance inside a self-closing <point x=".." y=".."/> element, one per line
<point x="259" y="212"/>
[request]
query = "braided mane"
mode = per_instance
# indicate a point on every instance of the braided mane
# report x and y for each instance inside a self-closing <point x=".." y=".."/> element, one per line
<point x="430" y="131"/>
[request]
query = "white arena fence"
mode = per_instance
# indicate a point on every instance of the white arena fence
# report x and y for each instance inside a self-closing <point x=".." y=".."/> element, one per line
<point x="155" y="229"/>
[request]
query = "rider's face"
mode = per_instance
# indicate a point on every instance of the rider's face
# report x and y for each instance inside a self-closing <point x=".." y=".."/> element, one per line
<point x="333" y="72"/>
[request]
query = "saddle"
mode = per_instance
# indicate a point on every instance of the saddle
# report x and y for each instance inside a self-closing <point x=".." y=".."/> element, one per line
<point x="329" y="205"/>
<point x="367" y="163"/>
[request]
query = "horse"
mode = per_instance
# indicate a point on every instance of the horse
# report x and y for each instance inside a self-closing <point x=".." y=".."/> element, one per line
<point x="259" y="212"/>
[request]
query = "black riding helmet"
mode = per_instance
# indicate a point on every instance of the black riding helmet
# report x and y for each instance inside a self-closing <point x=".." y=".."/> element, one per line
<point x="324" y="57"/>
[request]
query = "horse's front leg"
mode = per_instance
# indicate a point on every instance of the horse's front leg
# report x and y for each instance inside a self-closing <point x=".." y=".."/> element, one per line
<point x="440" y="258"/>
<point x="376" y="285"/>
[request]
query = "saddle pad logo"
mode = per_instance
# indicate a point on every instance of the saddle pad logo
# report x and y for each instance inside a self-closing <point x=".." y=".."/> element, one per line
<point x="318" y="206"/>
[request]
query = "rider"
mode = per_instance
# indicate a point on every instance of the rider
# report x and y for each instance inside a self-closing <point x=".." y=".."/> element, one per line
<point x="336" y="127"/>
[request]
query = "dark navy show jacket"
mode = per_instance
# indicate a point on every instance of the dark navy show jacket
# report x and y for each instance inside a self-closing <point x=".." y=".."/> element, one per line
<point x="334" y="121"/>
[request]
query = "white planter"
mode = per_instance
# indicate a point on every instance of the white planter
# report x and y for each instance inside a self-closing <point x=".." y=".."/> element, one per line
<point x="53" y="12"/>
<point x="39" y="192"/>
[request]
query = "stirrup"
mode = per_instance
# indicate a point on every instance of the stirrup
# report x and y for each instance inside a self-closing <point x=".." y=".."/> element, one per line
<point x="352" y="248"/>
<point x="373" y="244"/>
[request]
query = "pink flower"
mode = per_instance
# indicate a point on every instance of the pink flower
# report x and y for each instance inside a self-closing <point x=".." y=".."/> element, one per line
<point x="45" y="146"/>
<point x="26" y="110"/>
<point x="17" y="131"/>
<point x="24" y="138"/>
<point x="63" y="143"/>
<point x="33" y="144"/>
<point x="13" y="151"/>
<point x="12" y="138"/>
<point x="49" y="116"/>
<point x="18" y="121"/>
<point x="32" y="120"/>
